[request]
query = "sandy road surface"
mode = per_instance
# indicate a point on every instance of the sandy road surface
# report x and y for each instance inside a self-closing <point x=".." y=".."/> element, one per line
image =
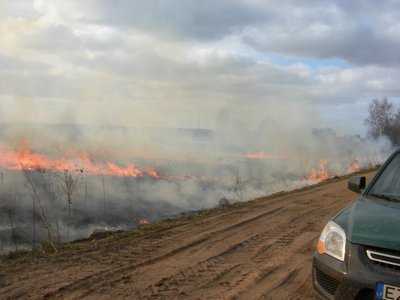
<point x="258" y="251"/>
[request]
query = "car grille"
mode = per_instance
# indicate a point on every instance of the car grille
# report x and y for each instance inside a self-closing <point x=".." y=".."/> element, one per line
<point x="389" y="259"/>
<point x="328" y="283"/>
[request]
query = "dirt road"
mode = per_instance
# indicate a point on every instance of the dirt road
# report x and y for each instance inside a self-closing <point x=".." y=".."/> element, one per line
<point x="261" y="250"/>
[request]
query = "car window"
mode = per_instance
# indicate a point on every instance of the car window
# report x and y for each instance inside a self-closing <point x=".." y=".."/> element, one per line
<point x="388" y="182"/>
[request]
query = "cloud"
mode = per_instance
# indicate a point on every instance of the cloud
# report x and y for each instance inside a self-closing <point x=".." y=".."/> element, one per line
<point x="191" y="19"/>
<point x="194" y="58"/>
<point x="15" y="9"/>
<point x="360" y="32"/>
<point x="356" y="44"/>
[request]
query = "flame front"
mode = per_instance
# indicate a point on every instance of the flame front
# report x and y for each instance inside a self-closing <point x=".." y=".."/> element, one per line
<point x="25" y="158"/>
<point x="320" y="173"/>
<point x="262" y="155"/>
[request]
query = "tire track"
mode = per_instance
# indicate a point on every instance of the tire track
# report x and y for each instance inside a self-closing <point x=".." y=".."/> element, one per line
<point x="100" y="277"/>
<point x="278" y="245"/>
<point x="248" y="246"/>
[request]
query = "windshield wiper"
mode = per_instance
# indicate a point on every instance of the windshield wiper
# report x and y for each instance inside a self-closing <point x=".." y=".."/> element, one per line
<point x="385" y="197"/>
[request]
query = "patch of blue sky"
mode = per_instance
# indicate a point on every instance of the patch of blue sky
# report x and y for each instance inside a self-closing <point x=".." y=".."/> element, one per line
<point x="313" y="64"/>
<point x="234" y="46"/>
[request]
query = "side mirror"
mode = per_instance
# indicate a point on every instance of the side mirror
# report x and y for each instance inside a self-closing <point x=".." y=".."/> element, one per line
<point x="357" y="184"/>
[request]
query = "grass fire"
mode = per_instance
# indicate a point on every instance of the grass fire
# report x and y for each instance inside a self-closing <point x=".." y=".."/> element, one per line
<point x="59" y="193"/>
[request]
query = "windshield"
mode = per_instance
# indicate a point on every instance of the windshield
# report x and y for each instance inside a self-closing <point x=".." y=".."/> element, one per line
<point x="387" y="186"/>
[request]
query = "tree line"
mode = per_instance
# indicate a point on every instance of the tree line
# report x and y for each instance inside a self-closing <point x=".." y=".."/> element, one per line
<point x="383" y="120"/>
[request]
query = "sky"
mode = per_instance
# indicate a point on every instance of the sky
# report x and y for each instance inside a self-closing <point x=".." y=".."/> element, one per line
<point x="184" y="64"/>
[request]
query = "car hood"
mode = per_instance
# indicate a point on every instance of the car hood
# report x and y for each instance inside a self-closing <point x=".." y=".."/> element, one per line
<point x="372" y="222"/>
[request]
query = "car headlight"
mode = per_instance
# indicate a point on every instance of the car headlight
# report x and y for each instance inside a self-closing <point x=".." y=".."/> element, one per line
<point x="332" y="241"/>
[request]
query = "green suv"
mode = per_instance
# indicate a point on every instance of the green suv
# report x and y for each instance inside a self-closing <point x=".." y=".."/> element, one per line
<point x="358" y="252"/>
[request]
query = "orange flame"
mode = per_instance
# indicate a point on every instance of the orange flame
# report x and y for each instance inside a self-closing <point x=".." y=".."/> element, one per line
<point x="27" y="159"/>
<point x="143" y="222"/>
<point x="262" y="155"/>
<point x="320" y="173"/>
<point x="354" y="166"/>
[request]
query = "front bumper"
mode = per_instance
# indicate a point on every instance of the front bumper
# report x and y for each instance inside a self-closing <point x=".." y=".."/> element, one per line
<point x="355" y="278"/>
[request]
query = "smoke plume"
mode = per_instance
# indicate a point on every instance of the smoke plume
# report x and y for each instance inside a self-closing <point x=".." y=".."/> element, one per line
<point x="79" y="178"/>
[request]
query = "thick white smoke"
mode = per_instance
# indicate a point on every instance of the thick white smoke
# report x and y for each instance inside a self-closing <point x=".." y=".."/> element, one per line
<point x="199" y="169"/>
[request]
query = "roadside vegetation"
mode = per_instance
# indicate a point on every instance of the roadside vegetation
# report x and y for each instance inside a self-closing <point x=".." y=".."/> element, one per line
<point x="21" y="257"/>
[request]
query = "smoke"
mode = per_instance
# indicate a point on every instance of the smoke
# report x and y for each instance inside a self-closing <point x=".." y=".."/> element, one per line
<point x="243" y="158"/>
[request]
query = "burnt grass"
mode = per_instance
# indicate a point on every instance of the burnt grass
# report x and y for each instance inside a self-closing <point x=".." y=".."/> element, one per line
<point x="25" y="256"/>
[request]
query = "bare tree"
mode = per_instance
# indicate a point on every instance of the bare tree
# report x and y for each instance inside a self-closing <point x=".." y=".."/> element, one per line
<point x="42" y="212"/>
<point x="382" y="121"/>
<point x="380" y="117"/>
<point x="104" y="194"/>
<point x="394" y="129"/>
<point x="10" y="214"/>
<point x="3" y="251"/>
<point x="239" y="186"/>
<point x="69" y="183"/>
